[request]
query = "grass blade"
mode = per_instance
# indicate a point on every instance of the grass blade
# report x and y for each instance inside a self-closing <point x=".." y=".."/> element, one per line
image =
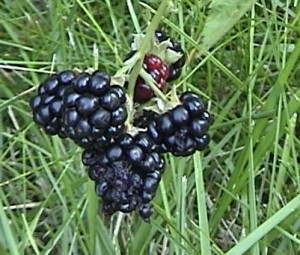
<point x="201" y="204"/>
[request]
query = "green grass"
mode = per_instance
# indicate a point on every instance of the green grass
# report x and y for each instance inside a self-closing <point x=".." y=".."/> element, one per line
<point x="239" y="196"/>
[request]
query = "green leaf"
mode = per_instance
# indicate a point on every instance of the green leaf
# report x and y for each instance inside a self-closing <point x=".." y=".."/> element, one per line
<point x="8" y="240"/>
<point x="222" y="16"/>
<point x="201" y="204"/>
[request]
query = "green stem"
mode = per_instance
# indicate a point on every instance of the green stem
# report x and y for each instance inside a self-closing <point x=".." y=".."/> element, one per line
<point x="145" y="46"/>
<point x="150" y="81"/>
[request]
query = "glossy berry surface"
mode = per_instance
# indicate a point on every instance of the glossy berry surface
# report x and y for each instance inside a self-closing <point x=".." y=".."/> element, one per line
<point x="126" y="174"/>
<point x="162" y="70"/>
<point x="93" y="112"/>
<point x="182" y="130"/>
<point x="159" y="72"/>
<point x="82" y="107"/>
<point x="125" y="162"/>
<point x="47" y="105"/>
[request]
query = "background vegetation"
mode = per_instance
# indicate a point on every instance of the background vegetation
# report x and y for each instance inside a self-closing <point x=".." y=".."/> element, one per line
<point x="240" y="196"/>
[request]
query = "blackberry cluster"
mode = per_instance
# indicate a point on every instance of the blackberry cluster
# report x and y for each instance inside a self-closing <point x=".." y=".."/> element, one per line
<point x="126" y="174"/>
<point x="83" y="107"/>
<point x="47" y="104"/>
<point x="93" y="111"/>
<point x="89" y="110"/>
<point x="181" y="130"/>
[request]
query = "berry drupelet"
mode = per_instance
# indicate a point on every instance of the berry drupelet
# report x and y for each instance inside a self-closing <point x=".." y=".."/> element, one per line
<point x="181" y="130"/>
<point x="93" y="112"/>
<point x="126" y="174"/>
<point x="47" y="104"/>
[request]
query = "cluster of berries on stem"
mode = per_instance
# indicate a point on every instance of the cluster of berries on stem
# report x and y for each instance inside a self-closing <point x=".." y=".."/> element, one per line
<point x="122" y="146"/>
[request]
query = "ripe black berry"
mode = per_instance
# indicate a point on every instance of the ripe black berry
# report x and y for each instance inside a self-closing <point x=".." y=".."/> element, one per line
<point x="47" y="104"/>
<point x="86" y="105"/>
<point x="198" y="127"/>
<point x="101" y="118"/>
<point x="181" y="130"/>
<point x="80" y="84"/>
<point x="192" y="103"/>
<point x="126" y="173"/>
<point x="144" y="141"/>
<point x="202" y="141"/>
<point x="101" y="188"/>
<point x="146" y="197"/>
<point x="120" y="92"/>
<point x="119" y="116"/>
<point x="181" y="143"/>
<point x="145" y="211"/>
<point x="150" y="185"/>
<point x="93" y="112"/>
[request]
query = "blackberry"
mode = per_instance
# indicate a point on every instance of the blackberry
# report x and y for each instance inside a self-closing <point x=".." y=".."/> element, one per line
<point x="126" y="174"/>
<point x="174" y="68"/>
<point x="93" y="112"/>
<point x="145" y="118"/>
<point x="47" y="104"/>
<point x="158" y="70"/>
<point x="181" y="130"/>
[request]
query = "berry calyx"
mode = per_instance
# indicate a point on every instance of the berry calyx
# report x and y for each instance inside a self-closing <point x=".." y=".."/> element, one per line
<point x="174" y="68"/>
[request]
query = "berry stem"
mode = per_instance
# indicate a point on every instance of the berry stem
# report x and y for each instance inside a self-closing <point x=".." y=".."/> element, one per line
<point x="145" y="45"/>
<point x="129" y="64"/>
<point x="150" y="81"/>
<point x="136" y="61"/>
